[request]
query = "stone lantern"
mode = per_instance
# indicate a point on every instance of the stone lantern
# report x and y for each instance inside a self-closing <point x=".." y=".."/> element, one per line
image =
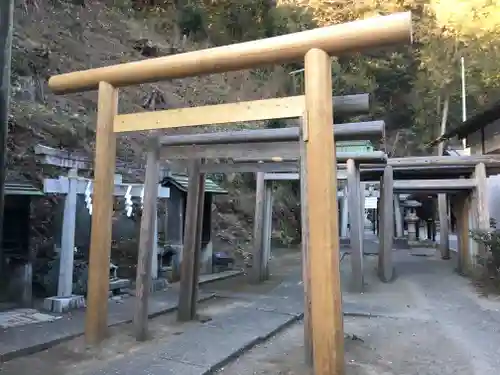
<point x="412" y="219"/>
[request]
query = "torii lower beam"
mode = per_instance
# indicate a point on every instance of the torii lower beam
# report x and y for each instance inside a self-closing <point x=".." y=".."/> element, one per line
<point x="434" y="186"/>
<point x="265" y="143"/>
<point x="345" y="131"/>
<point x="278" y="164"/>
<point x="257" y="110"/>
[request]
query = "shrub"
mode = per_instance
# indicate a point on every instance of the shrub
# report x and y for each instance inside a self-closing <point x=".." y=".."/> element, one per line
<point x="489" y="260"/>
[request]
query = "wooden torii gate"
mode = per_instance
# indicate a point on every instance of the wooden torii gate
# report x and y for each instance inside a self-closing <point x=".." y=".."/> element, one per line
<point x="315" y="47"/>
<point x="462" y="178"/>
<point x="71" y="186"/>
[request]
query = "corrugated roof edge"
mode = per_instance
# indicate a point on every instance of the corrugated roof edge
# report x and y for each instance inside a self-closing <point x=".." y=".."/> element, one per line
<point x="181" y="182"/>
<point x="16" y="188"/>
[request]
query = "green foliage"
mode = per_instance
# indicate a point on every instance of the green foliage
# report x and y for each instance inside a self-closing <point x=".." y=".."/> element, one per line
<point x="286" y="211"/>
<point x="407" y="84"/>
<point x="490" y="271"/>
<point x="276" y="124"/>
<point x="190" y="20"/>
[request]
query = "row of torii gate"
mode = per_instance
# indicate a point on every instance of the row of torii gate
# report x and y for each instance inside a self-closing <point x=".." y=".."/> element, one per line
<point x="308" y="150"/>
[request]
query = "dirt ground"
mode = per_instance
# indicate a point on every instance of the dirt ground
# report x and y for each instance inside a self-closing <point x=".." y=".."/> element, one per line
<point x="429" y="321"/>
<point x="73" y="357"/>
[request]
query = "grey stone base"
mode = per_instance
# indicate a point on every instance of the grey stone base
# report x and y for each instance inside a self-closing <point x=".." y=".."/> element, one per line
<point x="63" y="304"/>
<point x="117" y="284"/>
<point x="158" y="284"/>
<point x="345" y="241"/>
<point x="422" y="243"/>
<point x="401" y="243"/>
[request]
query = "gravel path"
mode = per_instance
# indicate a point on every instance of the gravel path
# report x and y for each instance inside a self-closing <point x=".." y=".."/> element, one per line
<point x="430" y="321"/>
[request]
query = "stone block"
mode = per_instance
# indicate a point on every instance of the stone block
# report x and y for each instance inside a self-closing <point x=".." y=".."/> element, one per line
<point x="119" y="284"/>
<point x="401" y="243"/>
<point x="63" y="304"/>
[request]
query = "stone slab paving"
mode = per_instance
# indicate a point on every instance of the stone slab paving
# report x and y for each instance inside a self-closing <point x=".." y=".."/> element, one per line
<point x="205" y="347"/>
<point x="29" y="339"/>
<point x="208" y="347"/>
<point x="148" y="365"/>
<point x="21" y="317"/>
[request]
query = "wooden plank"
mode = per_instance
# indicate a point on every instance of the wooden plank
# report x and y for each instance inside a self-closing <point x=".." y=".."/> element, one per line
<point x="96" y="315"/>
<point x="187" y="284"/>
<point x="435" y="186"/>
<point x="342" y="38"/>
<point x="324" y="247"/>
<point x="353" y="194"/>
<point x="304" y="218"/>
<point x="385" y="266"/>
<point x="257" y="110"/>
<point x="258" y="229"/>
<point x="146" y="242"/>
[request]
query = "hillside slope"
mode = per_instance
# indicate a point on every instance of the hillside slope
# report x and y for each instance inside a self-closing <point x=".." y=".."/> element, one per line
<point x="66" y="37"/>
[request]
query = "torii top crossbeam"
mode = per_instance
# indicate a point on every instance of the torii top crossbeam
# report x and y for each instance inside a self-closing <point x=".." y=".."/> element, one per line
<point x="349" y="37"/>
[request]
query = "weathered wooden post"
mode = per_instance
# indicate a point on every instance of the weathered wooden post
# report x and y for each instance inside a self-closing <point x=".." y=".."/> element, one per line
<point x="462" y="206"/>
<point x="362" y="198"/>
<point x="267" y="228"/>
<point x="146" y="240"/>
<point x="326" y="302"/>
<point x="444" y="229"/>
<point x="344" y="213"/>
<point x="386" y="233"/>
<point x="304" y="218"/>
<point x="258" y="229"/>
<point x="356" y="225"/>
<point x="192" y="239"/>
<point x="479" y="215"/>
<point x="96" y="316"/>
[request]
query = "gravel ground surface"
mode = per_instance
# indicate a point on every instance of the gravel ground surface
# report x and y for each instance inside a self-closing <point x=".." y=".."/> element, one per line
<point x="429" y="321"/>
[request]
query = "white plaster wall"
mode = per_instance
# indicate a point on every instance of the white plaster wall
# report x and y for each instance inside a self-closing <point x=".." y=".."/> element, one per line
<point x="494" y="197"/>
